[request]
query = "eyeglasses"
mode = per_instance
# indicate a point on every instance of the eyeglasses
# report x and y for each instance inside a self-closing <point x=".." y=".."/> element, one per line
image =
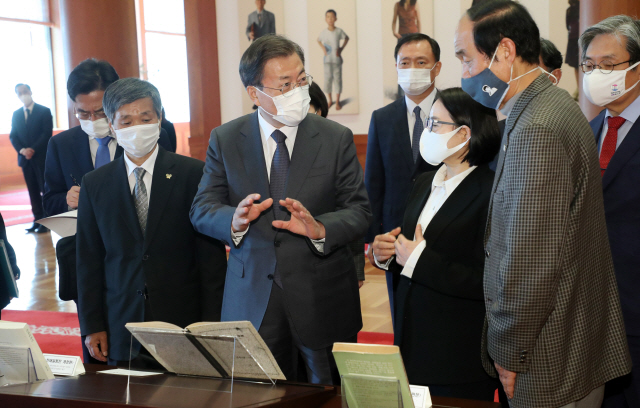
<point x="93" y="116"/>
<point x="289" y="86"/>
<point x="605" y="67"/>
<point x="434" y="122"/>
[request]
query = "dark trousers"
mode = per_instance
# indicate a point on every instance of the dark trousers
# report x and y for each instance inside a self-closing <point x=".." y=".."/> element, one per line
<point x="34" y="178"/>
<point x="624" y="392"/>
<point x="480" y="391"/>
<point x="278" y="332"/>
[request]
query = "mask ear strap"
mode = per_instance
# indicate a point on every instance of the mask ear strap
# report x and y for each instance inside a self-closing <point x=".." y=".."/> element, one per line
<point x="494" y="55"/>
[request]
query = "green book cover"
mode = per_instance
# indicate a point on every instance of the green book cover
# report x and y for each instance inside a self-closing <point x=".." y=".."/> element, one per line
<point x="366" y="367"/>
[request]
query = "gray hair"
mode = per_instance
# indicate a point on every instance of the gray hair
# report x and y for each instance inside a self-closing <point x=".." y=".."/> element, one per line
<point x="262" y="50"/>
<point x="128" y="90"/>
<point x="618" y="26"/>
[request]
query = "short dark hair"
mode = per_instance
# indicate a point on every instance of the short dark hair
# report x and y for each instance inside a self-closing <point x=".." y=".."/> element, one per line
<point x="331" y="11"/>
<point x="15" y="89"/>
<point x="318" y="99"/>
<point x="483" y="122"/>
<point x="411" y="38"/>
<point x="260" y="51"/>
<point x="498" y="19"/>
<point x="128" y="90"/>
<point x="90" y="75"/>
<point x="551" y="57"/>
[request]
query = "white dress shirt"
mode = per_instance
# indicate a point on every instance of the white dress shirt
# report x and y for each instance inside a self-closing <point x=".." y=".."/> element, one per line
<point x="425" y="108"/>
<point x="269" y="146"/>
<point x="148" y="165"/>
<point x="441" y="189"/>
<point x="94" y="145"/>
<point x="631" y="114"/>
<point x="28" y="108"/>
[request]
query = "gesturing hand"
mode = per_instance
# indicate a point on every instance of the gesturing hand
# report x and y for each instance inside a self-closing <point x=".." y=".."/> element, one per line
<point x="247" y="211"/>
<point x="301" y="222"/>
<point x="382" y="247"/>
<point x="404" y="247"/>
<point x="508" y="380"/>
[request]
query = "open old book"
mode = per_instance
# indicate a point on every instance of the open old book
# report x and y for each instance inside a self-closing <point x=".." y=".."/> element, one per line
<point x="211" y="349"/>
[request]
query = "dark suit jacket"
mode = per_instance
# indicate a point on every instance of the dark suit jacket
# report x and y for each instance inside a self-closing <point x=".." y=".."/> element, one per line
<point x="34" y="134"/>
<point x="321" y="290"/>
<point x="440" y="310"/>
<point x="183" y="271"/>
<point x="390" y="170"/>
<point x="268" y="25"/>
<point x="622" y="211"/>
<point x="4" y="293"/>
<point x="69" y="154"/>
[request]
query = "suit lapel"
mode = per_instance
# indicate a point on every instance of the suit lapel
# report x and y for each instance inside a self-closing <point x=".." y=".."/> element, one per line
<point x="82" y="151"/>
<point x="460" y="199"/>
<point x="627" y="149"/>
<point x="161" y="187"/>
<point x="251" y="154"/>
<point x="401" y="131"/>
<point x="413" y="213"/>
<point x="123" y="192"/>
<point x="303" y="156"/>
<point x="119" y="150"/>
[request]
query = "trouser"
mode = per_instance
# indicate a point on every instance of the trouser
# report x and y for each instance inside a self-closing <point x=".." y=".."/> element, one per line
<point x="34" y="178"/>
<point x="624" y="392"/>
<point x="333" y="74"/>
<point x="592" y="400"/>
<point x="278" y="332"/>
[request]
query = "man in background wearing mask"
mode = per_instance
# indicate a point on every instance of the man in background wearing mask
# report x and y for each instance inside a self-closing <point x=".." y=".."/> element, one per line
<point x="31" y="129"/>
<point x="554" y="331"/>
<point x="393" y="159"/>
<point x="611" y="66"/>
<point x="285" y="191"/>
<point x="139" y="258"/>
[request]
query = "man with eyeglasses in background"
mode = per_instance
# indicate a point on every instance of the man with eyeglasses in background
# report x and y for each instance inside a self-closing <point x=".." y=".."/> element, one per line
<point x="285" y="191"/>
<point x="611" y="66"/>
<point x="31" y="130"/>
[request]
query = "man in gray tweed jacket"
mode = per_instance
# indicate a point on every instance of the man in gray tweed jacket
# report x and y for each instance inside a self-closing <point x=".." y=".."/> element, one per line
<point x="554" y="329"/>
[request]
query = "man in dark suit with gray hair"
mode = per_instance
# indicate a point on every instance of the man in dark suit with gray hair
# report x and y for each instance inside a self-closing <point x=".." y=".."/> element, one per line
<point x="260" y="22"/>
<point x="285" y="190"/>
<point x="554" y="329"/>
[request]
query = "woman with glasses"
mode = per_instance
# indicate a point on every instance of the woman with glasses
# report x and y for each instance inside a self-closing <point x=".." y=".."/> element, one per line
<point x="438" y="251"/>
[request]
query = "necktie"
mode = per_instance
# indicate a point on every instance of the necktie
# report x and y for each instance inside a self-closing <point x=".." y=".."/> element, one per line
<point x="417" y="132"/>
<point x="259" y="18"/>
<point x="28" y="116"/>
<point x="103" y="156"/>
<point x="140" y="198"/>
<point x="278" y="183"/>
<point x="610" y="142"/>
<point x="279" y="173"/>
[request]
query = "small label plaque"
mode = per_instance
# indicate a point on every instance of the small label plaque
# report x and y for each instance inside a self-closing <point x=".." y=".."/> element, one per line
<point x="64" y="365"/>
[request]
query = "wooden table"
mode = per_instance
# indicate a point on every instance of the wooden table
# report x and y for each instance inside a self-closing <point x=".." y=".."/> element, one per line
<point x="170" y="391"/>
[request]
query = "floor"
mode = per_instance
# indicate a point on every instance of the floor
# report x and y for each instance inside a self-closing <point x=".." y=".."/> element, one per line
<point x="38" y="282"/>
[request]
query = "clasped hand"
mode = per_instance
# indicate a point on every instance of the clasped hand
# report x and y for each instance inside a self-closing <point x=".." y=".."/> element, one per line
<point x="301" y="222"/>
<point x="395" y="244"/>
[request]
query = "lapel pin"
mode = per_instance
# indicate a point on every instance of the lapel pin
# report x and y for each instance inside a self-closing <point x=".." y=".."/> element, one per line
<point x="169" y="176"/>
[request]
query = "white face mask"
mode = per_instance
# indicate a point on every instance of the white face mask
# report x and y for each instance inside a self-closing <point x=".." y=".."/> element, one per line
<point x="602" y="89"/>
<point x="98" y="128"/>
<point x="26" y="99"/>
<point x="414" y="81"/>
<point x="292" y="107"/>
<point x="138" y="140"/>
<point x="433" y="146"/>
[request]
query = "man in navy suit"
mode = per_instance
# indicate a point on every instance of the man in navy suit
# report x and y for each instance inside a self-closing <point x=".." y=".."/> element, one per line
<point x="393" y="161"/>
<point x="139" y="258"/>
<point x="611" y="63"/>
<point x="31" y="129"/>
<point x="260" y="22"/>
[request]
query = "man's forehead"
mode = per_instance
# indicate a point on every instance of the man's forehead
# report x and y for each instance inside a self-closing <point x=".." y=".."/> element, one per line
<point x="416" y="49"/>
<point x="463" y="35"/>
<point x="282" y="66"/>
<point x="607" y="46"/>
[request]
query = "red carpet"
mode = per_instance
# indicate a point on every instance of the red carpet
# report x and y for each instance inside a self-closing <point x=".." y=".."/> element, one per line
<point x="56" y="332"/>
<point x="375" y="338"/>
<point x="15" y="207"/>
